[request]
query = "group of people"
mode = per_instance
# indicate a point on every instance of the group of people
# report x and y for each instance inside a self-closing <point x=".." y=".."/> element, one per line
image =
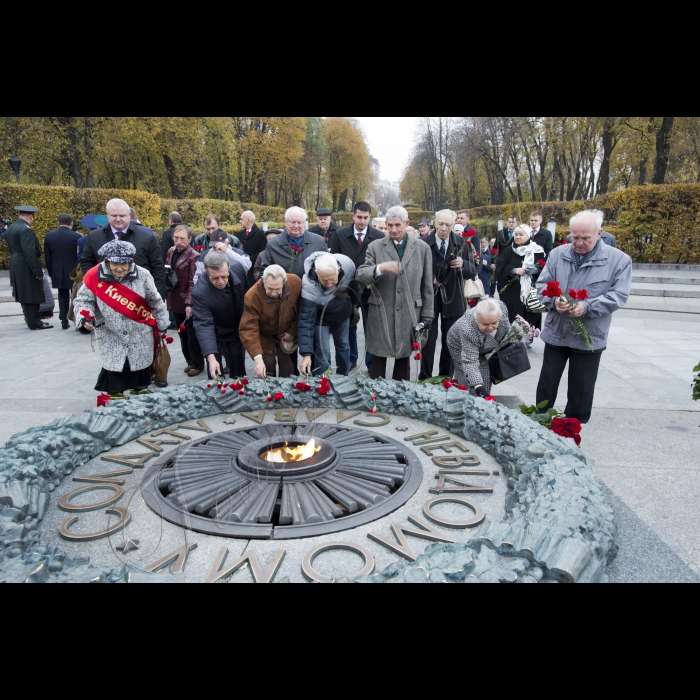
<point x="281" y="295"/>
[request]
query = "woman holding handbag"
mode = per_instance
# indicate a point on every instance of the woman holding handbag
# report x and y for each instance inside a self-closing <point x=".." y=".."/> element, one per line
<point x="120" y="303"/>
<point x="518" y="268"/>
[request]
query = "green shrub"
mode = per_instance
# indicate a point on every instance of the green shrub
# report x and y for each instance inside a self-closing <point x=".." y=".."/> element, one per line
<point x="52" y="201"/>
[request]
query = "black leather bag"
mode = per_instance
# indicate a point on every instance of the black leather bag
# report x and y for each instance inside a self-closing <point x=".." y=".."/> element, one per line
<point x="171" y="281"/>
<point x="509" y="362"/>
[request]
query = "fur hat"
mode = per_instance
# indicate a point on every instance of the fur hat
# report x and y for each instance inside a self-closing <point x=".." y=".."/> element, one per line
<point x="118" y="252"/>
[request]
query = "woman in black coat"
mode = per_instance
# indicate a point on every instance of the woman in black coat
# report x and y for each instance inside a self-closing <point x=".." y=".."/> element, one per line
<point x="517" y="267"/>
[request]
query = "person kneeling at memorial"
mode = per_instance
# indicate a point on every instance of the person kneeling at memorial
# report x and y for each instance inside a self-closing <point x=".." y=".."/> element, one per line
<point x="119" y="301"/>
<point x="478" y="333"/>
<point x="269" y="324"/>
<point x="577" y="332"/>
<point x="328" y="298"/>
<point x="217" y="308"/>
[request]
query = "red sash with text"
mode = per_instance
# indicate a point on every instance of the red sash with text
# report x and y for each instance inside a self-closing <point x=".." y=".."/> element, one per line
<point x="124" y="301"/>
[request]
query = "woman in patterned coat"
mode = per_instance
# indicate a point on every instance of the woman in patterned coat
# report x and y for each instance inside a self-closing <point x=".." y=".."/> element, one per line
<point x="476" y="334"/>
<point x="127" y="346"/>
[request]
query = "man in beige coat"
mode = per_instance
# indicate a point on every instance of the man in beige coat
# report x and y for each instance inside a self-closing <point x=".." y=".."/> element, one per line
<point x="399" y="270"/>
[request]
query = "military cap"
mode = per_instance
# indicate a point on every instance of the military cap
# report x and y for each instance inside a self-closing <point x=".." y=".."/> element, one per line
<point x="324" y="212"/>
<point x="26" y="209"/>
<point x="89" y="222"/>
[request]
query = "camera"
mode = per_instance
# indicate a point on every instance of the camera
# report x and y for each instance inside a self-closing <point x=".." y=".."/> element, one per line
<point x="4" y="224"/>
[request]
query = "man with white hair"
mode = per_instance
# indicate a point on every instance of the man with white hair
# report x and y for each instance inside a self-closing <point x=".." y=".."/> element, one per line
<point x="269" y="323"/>
<point x="380" y="225"/>
<point x="605" y="236"/>
<point x="399" y="268"/>
<point x="121" y="228"/>
<point x="253" y="240"/>
<point x="328" y="297"/>
<point x="291" y="249"/>
<point x="604" y="274"/>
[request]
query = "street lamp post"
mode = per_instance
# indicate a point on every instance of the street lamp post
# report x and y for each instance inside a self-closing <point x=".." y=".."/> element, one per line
<point x="553" y="228"/>
<point x="16" y="165"/>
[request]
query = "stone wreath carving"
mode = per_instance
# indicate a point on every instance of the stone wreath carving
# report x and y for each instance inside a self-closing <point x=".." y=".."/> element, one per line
<point x="558" y="528"/>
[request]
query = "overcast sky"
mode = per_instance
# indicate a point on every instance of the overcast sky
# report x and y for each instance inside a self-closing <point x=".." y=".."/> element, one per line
<point x="390" y="141"/>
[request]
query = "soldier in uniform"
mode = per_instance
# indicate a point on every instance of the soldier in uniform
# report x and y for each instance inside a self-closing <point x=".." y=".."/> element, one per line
<point x="26" y="272"/>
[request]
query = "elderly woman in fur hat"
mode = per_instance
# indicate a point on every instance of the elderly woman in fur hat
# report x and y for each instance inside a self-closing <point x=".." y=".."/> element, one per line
<point x="120" y="303"/>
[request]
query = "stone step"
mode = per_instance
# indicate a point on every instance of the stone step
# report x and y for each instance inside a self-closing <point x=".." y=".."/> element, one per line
<point x="683" y="291"/>
<point x="679" y="268"/>
<point x="647" y="278"/>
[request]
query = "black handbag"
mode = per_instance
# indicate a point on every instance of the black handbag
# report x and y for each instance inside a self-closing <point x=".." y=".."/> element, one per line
<point x="171" y="281"/>
<point x="509" y="362"/>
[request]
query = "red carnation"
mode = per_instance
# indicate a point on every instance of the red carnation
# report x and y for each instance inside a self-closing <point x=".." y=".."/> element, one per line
<point x="223" y="391"/>
<point x="183" y="328"/>
<point x="415" y="346"/>
<point x="270" y="399"/>
<point x="495" y="251"/>
<point x="199" y="248"/>
<point x="245" y="382"/>
<point x="209" y="386"/>
<point x="85" y="314"/>
<point x="374" y="411"/>
<point x="553" y="290"/>
<point x="241" y="393"/>
<point x="447" y="384"/>
<point x="374" y="398"/>
<point x="490" y="398"/>
<point x="583" y="295"/>
<point x="170" y="341"/>
<point x="279" y="396"/>
<point x="461" y="387"/>
<point x="473" y="303"/>
<point x="103" y="400"/>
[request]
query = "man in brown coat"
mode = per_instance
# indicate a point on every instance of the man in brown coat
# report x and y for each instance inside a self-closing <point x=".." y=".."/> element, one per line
<point x="270" y="317"/>
<point x="182" y="258"/>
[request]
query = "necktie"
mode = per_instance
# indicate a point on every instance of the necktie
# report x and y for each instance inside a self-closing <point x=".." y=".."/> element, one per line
<point x="534" y="233"/>
<point x="360" y="237"/>
<point x="247" y="233"/>
<point x="443" y="250"/>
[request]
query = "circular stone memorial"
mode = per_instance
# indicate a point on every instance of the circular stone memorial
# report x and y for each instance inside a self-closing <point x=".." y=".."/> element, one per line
<point x="189" y="485"/>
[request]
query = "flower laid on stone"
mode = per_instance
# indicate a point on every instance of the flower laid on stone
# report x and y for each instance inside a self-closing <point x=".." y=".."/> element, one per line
<point x="303" y="386"/>
<point x="447" y="384"/>
<point x="279" y="396"/>
<point x="461" y="387"/>
<point x="696" y="385"/>
<point x="490" y="398"/>
<point x="103" y="400"/>
<point x="567" y="428"/>
<point x="270" y="399"/>
<point x="325" y="388"/>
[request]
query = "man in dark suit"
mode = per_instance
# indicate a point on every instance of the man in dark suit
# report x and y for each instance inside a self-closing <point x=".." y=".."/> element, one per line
<point x="148" y="254"/>
<point x="136" y="222"/>
<point x="539" y="235"/>
<point x="167" y="242"/>
<point x="254" y="241"/>
<point x="353" y="241"/>
<point x="60" y="249"/>
<point x="325" y="227"/>
<point x="447" y="249"/>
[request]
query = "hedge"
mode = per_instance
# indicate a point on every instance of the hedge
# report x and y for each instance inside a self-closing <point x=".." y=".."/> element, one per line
<point x="52" y="201"/>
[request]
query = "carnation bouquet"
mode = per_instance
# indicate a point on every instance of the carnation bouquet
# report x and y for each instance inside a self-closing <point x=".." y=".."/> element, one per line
<point x="518" y="333"/>
<point x="556" y="421"/>
<point x="554" y="291"/>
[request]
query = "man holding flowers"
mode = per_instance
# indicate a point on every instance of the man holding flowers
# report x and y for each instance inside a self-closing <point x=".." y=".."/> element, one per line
<point x="582" y="285"/>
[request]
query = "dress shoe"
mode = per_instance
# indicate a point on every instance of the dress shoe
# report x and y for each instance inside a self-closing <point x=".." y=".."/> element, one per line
<point x="188" y="369"/>
<point x="353" y="366"/>
<point x="195" y="372"/>
<point x="65" y="325"/>
<point x="42" y="327"/>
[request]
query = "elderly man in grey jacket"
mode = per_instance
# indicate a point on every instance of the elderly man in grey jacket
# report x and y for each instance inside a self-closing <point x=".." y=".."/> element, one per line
<point x="606" y="274"/>
<point x="399" y="269"/>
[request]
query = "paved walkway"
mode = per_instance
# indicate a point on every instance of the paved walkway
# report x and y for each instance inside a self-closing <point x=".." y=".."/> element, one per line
<point x="642" y="441"/>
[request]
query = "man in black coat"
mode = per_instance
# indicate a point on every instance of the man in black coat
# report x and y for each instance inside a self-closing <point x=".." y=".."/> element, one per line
<point x="253" y="240"/>
<point x="447" y="249"/>
<point x="217" y="309"/>
<point x="353" y="241"/>
<point x="148" y="254"/>
<point x="175" y="219"/>
<point x="60" y="249"/>
<point x="212" y="226"/>
<point x="539" y="235"/>
<point x="26" y="273"/>
<point x="325" y="226"/>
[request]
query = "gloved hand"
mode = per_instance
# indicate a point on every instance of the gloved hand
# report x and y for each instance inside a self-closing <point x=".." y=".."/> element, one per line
<point x="480" y="391"/>
<point x="427" y="322"/>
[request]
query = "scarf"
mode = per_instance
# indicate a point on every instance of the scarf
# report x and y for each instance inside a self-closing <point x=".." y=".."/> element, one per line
<point x="401" y="249"/>
<point x="528" y="252"/>
<point x="581" y="260"/>
<point x="298" y="242"/>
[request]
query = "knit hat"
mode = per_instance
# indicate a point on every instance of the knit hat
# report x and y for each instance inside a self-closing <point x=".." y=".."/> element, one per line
<point x="118" y="252"/>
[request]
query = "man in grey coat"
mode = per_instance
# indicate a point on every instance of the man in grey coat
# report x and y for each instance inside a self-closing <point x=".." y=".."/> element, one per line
<point x="399" y="269"/>
<point x="606" y="274"/>
<point x="606" y="236"/>
<point x="291" y="249"/>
